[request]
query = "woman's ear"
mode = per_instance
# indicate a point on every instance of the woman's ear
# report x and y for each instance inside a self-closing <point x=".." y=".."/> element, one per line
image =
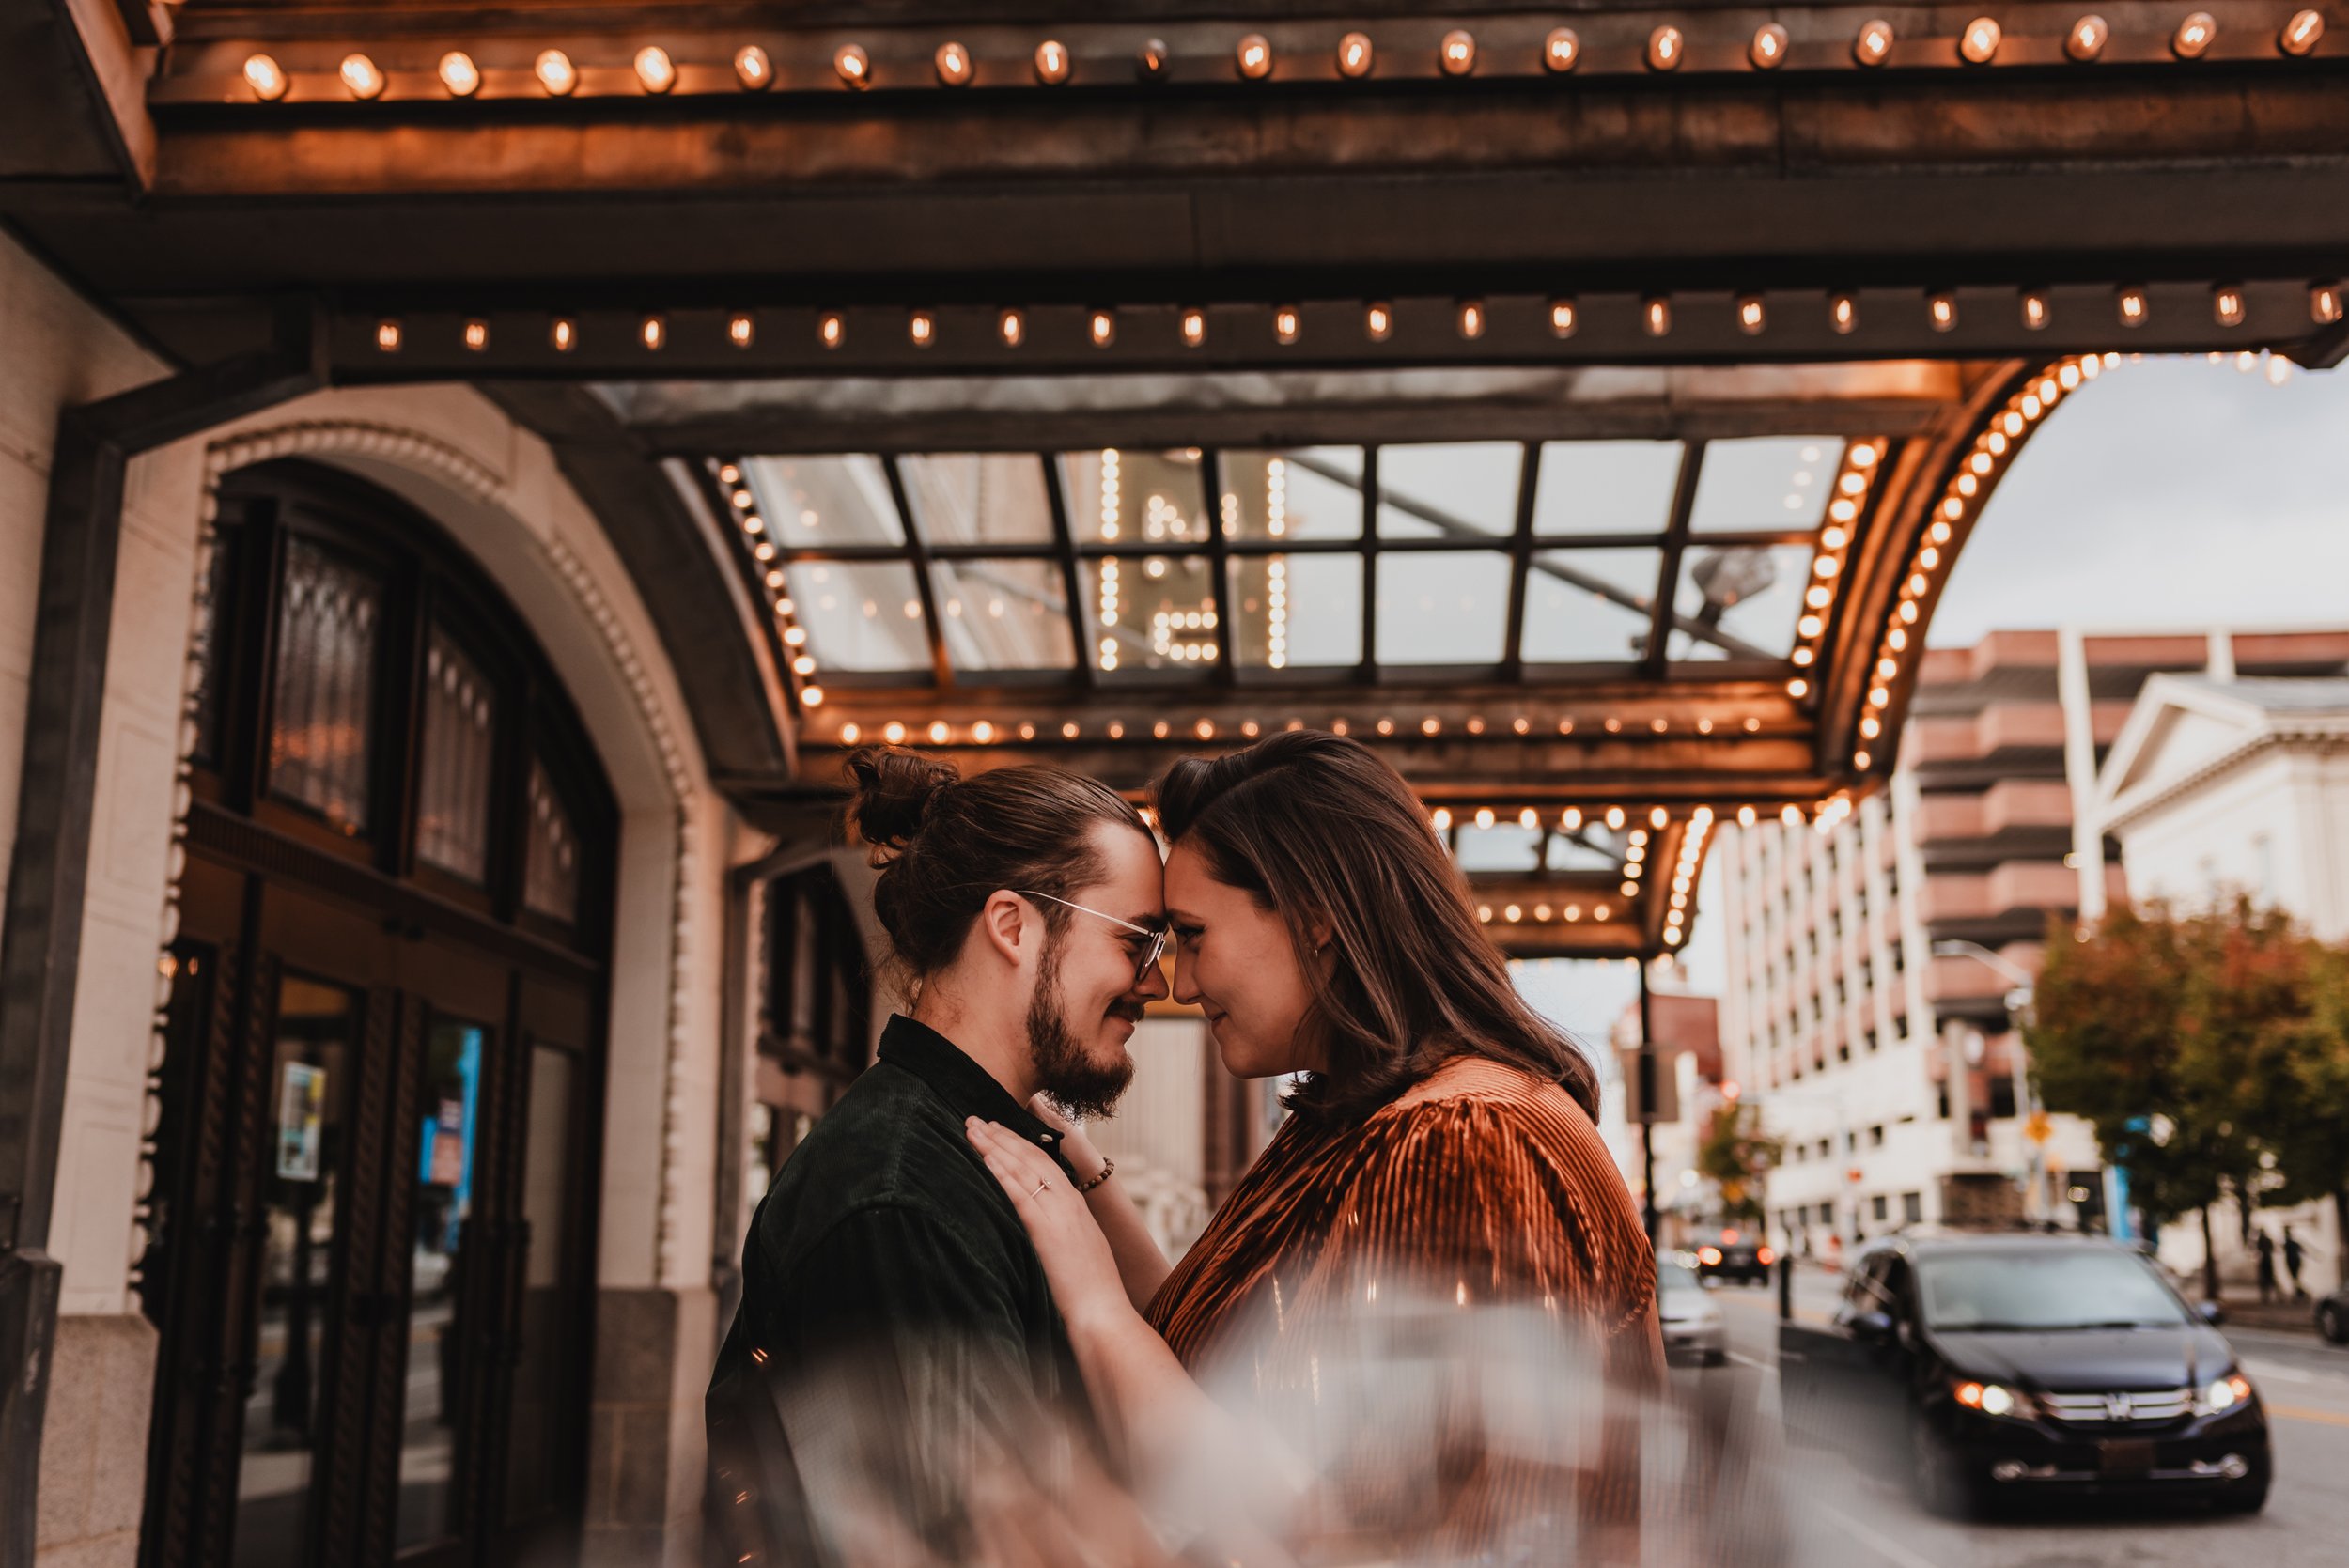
<point x="1321" y="930"/>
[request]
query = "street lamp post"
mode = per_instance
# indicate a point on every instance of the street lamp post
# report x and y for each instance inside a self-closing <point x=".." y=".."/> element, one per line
<point x="2019" y="1006"/>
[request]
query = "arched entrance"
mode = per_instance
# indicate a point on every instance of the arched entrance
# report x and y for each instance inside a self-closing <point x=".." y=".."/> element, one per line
<point x="373" y="1259"/>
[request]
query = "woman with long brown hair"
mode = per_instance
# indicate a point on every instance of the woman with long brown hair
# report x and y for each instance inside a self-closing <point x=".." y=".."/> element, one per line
<point x="1441" y="1139"/>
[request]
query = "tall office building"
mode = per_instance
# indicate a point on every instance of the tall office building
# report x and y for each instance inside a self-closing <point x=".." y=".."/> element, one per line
<point x="1877" y="963"/>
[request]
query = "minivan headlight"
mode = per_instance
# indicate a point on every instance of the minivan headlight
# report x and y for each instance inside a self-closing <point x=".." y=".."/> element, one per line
<point x="2229" y="1391"/>
<point x="1992" y="1399"/>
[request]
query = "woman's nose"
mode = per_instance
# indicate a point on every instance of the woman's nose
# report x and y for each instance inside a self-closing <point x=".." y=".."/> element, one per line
<point x="1186" y="981"/>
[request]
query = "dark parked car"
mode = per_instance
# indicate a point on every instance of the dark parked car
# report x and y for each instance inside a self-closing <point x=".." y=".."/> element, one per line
<point x="2006" y="1366"/>
<point x="2332" y="1316"/>
<point x="1729" y="1258"/>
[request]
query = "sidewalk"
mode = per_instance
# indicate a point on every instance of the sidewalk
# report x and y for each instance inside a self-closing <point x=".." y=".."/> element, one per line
<point x="2283" y="1315"/>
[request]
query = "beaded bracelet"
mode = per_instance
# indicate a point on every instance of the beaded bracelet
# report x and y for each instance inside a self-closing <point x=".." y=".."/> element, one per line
<point x="1108" y="1167"/>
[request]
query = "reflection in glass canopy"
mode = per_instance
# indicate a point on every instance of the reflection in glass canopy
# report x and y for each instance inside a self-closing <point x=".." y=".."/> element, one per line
<point x="1552" y="560"/>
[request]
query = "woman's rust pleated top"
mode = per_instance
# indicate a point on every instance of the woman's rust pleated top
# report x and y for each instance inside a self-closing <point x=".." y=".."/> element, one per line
<point x="1481" y="1185"/>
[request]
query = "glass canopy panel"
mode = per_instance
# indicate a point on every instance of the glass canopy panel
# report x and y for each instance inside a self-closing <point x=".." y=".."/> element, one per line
<point x="1158" y="614"/>
<point x="820" y="503"/>
<point x="1753" y="596"/>
<point x="979" y="498"/>
<point x="861" y="614"/>
<point x="1442" y="607"/>
<point x="1503" y="846"/>
<point x="1764" y="483"/>
<point x="1003" y="614"/>
<point x="1606" y="487"/>
<point x="1297" y="611"/>
<point x="1124" y="496"/>
<point x="1314" y="492"/>
<point x="1461" y="491"/>
<point x="1576" y="852"/>
<point x="1590" y="606"/>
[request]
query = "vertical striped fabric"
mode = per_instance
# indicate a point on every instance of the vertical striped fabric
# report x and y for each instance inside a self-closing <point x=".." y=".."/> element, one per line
<point x="1480" y="1187"/>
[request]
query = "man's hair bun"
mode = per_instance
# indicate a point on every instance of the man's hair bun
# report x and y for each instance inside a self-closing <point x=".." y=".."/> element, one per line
<point x="894" y="791"/>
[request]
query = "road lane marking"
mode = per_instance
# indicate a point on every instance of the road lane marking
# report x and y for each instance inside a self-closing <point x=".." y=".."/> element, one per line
<point x="2275" y="1373"/>
<point x="1744" y="1360"/>
<point x="1883" y="1545"/>
<point x="2297" y="1412"/>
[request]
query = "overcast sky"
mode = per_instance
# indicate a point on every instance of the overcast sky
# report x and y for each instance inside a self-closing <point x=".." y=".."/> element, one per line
<point x="2165" y="494"/>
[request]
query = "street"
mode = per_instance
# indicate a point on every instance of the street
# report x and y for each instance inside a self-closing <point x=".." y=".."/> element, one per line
<point x="1839" y="1515"/>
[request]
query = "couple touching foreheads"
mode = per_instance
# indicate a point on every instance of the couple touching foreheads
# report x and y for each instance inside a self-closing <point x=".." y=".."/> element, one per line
<point x="949" y="1231"/>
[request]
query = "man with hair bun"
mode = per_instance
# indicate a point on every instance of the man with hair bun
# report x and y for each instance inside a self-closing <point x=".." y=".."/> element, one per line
<point x="887" y="1288"/>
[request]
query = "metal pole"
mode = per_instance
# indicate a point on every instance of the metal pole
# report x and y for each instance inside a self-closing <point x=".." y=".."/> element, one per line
<point x="41" y="933"/>
<point x="1647" y="1109"/>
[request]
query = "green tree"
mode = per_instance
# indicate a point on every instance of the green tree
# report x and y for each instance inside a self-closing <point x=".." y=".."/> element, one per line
<point x="1737" y="1155"/>
<point x="2304" y="1117"/>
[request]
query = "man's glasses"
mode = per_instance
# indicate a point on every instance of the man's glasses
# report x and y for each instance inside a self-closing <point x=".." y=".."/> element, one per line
<point x="1149" y="959"/>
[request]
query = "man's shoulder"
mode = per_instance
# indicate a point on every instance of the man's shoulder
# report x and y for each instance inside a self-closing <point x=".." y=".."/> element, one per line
<point x="888" y="1149"/>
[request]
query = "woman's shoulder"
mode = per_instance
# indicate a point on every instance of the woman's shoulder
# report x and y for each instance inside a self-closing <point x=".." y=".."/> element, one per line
<point x="1498" y="1089"/>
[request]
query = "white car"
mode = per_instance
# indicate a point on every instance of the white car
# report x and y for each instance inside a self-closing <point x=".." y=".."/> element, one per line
<point x="1691" y="1318"/>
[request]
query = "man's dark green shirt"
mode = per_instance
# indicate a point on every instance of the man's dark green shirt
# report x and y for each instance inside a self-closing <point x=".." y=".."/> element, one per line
<point x="885" y="1259"/>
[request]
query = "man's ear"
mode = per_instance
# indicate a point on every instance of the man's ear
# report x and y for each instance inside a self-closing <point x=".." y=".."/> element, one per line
<point x="1003" y="925"/>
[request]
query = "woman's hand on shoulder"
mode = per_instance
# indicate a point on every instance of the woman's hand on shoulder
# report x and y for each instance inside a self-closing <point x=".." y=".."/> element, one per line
<point x="1078" y="1263"/>
<point x="1074" y="1143"/>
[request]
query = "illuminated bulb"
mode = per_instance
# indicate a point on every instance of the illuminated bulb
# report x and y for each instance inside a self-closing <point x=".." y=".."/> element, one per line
<point x="2087" y="39"/>
<point x="741" y="330"/>
<point x="2323" y="305"/>
<point x="459" y="74"/>
<point x="1151" y="62"/>
<point x="654" y="69"/>
<point x="1664" y="49"/>
<point x="1803" y="657"/>
<point x="2194" y="36"/>
<point x="752" y="68"/>
<point x="2132" y="306"/>
<point x="477" y="334"/>
<point x="1459" y="53"/>
<point x="1442" y="819"/>
<point x="1051" y="62"/>
<point x="1749" y="319"/>
<point x="1980" y="40"/>
<point x="387" y="336"/>
<point x="1194" y="328"/>
<point x="1844" y="311"/>
<point x="1103" y="328"/>
<point x="851" y="65"/>
<point x="849" y="734"/>
<point x="938" y="732"/>
<point x="1562" y="319"/>
<point x="1560" y="48"/>
<point x="653" y="333"/>
<point x="1875" y="43"/>
<point x="2226" y="305"/>
<point x="1513" y="914"/>
<point x="1870" y="726"/>
<point x="1378" y="322"/>
<point x="1285" y="324"/>
<point x="1943" y="308"/>
<point x="1768" y="47"/>
<point x="563" y="333"/>
<point x="361" y="75"/>
<point x="1069" y="731"/>
<point x="1012" y="328"/>
<point x="812" y="696"/>
<point x="1798" y="687"/>
<point x="894" y="732"/>
<point x="1471" y="318"/>
<point x="803" y="665"/>
<point x="830" y="330"/>
<point x="1254" y="57"/>
<point x="2034" y="309"/>
<point x="1528" y="817"/>
<point x="2300" y="35"/>
<point x="267" y="79"/>
<point x="984" y="732"/>
<point x="1864" y="455"/>
<point x="1656" y="315"/>
<point x="1356" y="55"/>
<point x="953" y="64"/>
<point x="922" y="328"/>
<point x="1810" y="625"/>
<point x="1570" y="819"/>
<point x="555" y="73"/>
<point x="1614" y="816"/>
<point x="1432" y="725"/>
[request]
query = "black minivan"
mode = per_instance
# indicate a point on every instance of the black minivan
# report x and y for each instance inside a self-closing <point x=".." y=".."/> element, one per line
<point x="2002" y="1366"/>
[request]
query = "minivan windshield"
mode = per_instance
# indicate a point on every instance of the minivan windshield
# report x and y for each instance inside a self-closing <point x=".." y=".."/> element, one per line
<point x="2042" y="1289"/>
<point x="1671" y="1277"/>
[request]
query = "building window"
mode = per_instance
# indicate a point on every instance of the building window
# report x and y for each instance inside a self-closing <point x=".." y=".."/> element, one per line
<point x="322" y="699"/>
<point x="1912" y="1208"/>
<point x="1875" y="1136"/>
<point x="550" y="878"/>
<point x="459" y="731"/>
<point x="1880" y="1206"/>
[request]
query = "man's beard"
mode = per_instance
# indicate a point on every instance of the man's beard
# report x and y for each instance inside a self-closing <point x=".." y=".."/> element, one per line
<point x="1077" y="1083"/>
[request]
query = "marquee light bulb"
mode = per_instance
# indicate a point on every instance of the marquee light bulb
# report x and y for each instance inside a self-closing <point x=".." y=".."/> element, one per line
<point x="556" y="73"/>
<point x="852" y="65"/>
<point x="1768" y="49"/>
<point x="2194" y="36"/>
<point x="654" y="69"/>
<point x="1874" y="45"/>
<point x="1254" y="57"/>
<point x="459" y="74"/>
<point x="2087" y="39"/>
<point x="953" y="64"/>
<point x="1664" y="49"/>
<point x="752" y="68"/>
<point x="265" y="77"/>
<point x="1356" y="55"/>
<point x="361" y="76"/>
<point x="1561" y="50"/>
<point x="1458" y="53"/>
<point x="1978" y="43"/>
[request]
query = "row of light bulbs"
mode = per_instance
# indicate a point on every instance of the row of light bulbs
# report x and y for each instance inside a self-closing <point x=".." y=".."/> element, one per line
<point x="1355" y="58"/>
<point x="1994" y="447"/>
<point x="1855" y="476"/>
<point x="1683" y="882"/>
<point x="985" y="732"/>
<point x="743" y="505"/>
<point x="2131" y="308"/>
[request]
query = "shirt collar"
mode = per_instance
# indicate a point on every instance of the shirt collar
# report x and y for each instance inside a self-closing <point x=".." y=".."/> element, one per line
<point x="970" y="1089"/>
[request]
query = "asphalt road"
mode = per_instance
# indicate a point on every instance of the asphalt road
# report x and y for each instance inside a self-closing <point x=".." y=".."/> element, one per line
<point x="1836" y="1514"/>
